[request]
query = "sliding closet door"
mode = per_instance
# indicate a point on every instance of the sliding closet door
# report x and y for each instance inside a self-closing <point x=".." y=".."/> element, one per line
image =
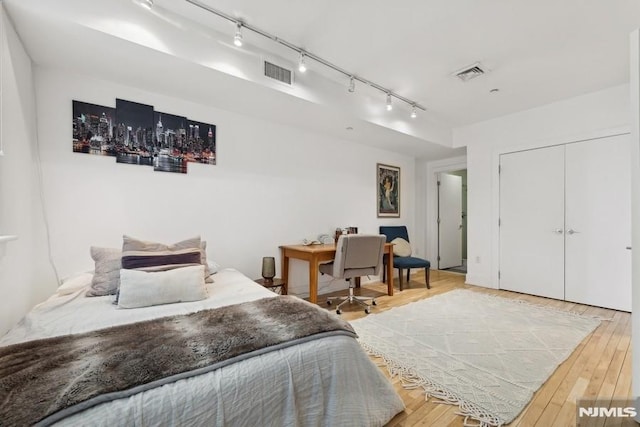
<point x="532" y="222"/>
<point x="598" y="223"/>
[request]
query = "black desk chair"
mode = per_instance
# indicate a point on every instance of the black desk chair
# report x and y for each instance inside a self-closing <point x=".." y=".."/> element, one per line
<point x="356" y="255"/>
<point x="402" y="262"/>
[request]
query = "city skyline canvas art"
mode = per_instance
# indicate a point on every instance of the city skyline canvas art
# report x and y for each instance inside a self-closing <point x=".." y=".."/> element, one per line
<point x="93" y="128"/>
<point x="136" y="134"/>
<point x="133" y="132"/>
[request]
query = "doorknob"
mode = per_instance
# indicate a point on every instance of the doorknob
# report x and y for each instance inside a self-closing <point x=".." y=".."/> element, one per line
<point x="629" y="247"/>
<point x="572" y="231"/>
<point x="558" y="231"/>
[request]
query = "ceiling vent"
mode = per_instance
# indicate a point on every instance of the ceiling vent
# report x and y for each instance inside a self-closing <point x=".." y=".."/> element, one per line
<point x="278" y="73"/>
<point x="470" y="72"/>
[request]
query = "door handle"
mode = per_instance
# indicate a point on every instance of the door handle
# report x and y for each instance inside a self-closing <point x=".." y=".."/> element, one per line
<point x="558" y="231"/>
<point x="628" y="247"/>
<point x="572" y="231"/>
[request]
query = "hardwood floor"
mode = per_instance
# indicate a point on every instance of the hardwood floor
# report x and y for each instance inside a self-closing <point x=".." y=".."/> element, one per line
<point x="600" y="367"/>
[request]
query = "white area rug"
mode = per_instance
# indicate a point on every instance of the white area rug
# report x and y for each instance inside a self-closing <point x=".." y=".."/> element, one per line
<point x="486" y="354"/>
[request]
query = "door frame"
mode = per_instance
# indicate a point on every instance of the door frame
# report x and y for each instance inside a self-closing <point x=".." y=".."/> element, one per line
<point x="431" y="230"/>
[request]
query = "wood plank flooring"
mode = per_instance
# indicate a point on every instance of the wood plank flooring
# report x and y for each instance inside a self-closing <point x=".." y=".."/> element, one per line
<point x="600" y="367"/>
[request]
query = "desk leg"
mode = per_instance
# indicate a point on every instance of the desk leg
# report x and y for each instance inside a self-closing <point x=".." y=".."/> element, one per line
<point x="284" y="261"/>
<point x="389" y="273"/>
<point x="313" y="279"/>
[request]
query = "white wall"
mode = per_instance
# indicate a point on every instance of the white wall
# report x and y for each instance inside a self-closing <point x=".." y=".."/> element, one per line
<point x="597" y="114"/>
<point x="273" y="184"/>
<point x="635" y="207"/>
<point x="25" y="277"/>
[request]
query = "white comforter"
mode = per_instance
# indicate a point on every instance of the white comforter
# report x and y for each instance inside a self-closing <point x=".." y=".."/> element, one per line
<point x="325" y="382"/>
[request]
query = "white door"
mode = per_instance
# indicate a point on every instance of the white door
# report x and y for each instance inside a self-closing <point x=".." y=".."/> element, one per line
<point x="532" y="222"/>
<point x="449" y="221"/>
<point x="598" y="223"/>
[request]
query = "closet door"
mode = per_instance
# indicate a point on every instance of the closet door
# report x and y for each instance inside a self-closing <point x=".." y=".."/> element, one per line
<point x="598" y="223"/>
<point x="532" y="222"/>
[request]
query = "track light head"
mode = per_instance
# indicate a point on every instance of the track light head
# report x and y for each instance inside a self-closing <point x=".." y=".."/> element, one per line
<point x="389" y="105"/>
<point x="352" y="85"/>
<point x="237" y="39"/>
<point x="302" y="66"/>
<point x="414" y="114"/>
<point x="147" y="4"/>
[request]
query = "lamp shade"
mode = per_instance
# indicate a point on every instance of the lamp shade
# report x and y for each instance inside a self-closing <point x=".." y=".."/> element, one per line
<point x="268" y="268"/>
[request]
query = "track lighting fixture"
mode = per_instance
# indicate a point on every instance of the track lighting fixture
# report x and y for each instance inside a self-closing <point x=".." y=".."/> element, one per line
<point x="302" y="66"/>
<point x="237" y="39"/>
<point x="147" y="4"/>
<point x="414" y="114"/>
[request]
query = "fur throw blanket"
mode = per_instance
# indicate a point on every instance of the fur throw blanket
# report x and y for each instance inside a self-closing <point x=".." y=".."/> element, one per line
<point x="46" y="380"/>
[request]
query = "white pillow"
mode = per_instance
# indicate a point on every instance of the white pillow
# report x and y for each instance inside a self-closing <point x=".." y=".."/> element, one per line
<point x="146" y="288"/>
<point x="401" y="247"/>
<point x="74" y="283"/>
<point x="214" y="267"/>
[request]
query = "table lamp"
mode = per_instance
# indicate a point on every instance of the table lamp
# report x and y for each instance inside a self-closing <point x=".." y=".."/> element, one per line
<point x="268" y="268"/>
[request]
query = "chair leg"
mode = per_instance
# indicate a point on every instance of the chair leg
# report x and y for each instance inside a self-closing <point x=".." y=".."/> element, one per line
<point x="426" y="274"/>
<point x="400" y="277"/>
<point x="384" y="273"/>
<point x="408" y="272"/>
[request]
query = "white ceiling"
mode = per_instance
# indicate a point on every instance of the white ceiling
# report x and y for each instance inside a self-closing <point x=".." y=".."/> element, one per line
<point x="537" y="52"/>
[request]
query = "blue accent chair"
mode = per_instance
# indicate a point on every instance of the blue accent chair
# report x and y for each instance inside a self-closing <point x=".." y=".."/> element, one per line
<point x="407" y="262"/>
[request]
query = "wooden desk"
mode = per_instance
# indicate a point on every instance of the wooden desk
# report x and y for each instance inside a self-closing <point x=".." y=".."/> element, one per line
<point x="316" y="254"/>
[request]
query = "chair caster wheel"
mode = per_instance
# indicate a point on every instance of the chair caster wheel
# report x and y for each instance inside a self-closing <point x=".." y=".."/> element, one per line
<point x="373" y="302"/>
<point x="328" y="302"/>
<point x="367" y="310"/>
<point x="338" y="311"/>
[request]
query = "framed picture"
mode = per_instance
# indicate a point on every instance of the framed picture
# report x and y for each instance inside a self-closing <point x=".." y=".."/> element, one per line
<point x="388" y="180"/>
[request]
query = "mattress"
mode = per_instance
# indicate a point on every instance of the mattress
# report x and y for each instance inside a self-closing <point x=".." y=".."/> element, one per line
<point x="325" y="382"/>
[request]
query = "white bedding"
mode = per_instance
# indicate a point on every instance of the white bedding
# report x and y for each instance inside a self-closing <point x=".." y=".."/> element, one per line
<point x="325" y="382"/>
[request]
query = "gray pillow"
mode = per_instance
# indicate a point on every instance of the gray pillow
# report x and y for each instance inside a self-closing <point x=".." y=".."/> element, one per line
<point x="153" y="256"/>
<point x="106" y="278"/>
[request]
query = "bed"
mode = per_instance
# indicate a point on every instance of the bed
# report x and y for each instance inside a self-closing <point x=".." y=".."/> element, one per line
<point x="323" y="382"/>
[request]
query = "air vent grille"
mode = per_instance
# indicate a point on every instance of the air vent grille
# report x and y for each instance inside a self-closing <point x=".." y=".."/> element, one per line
<point x="470" y="72"/>
<point x="276" y="72"/>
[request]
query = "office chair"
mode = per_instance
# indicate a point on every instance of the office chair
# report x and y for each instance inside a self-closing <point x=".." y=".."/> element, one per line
<point x="356" y="255"/>
<point x="402" y="262"/>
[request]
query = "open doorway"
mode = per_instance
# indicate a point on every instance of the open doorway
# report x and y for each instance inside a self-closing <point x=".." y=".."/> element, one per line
<point x="452" y="221"/>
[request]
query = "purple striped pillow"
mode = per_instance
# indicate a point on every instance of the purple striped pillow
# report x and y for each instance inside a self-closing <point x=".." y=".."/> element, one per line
<point x="161" y="260"/>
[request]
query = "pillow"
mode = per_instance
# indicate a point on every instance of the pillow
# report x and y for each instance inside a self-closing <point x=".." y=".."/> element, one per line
<point x="214" y="267"/>
<point x="134" y="244"/>
<point x="74" y="283"/>
<point x="401" y="247"/>
<point x="205" y="262"/>
<point x="106" y="277"/>
<point x="151" y="256"/>
<point x="143" y="289"/>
